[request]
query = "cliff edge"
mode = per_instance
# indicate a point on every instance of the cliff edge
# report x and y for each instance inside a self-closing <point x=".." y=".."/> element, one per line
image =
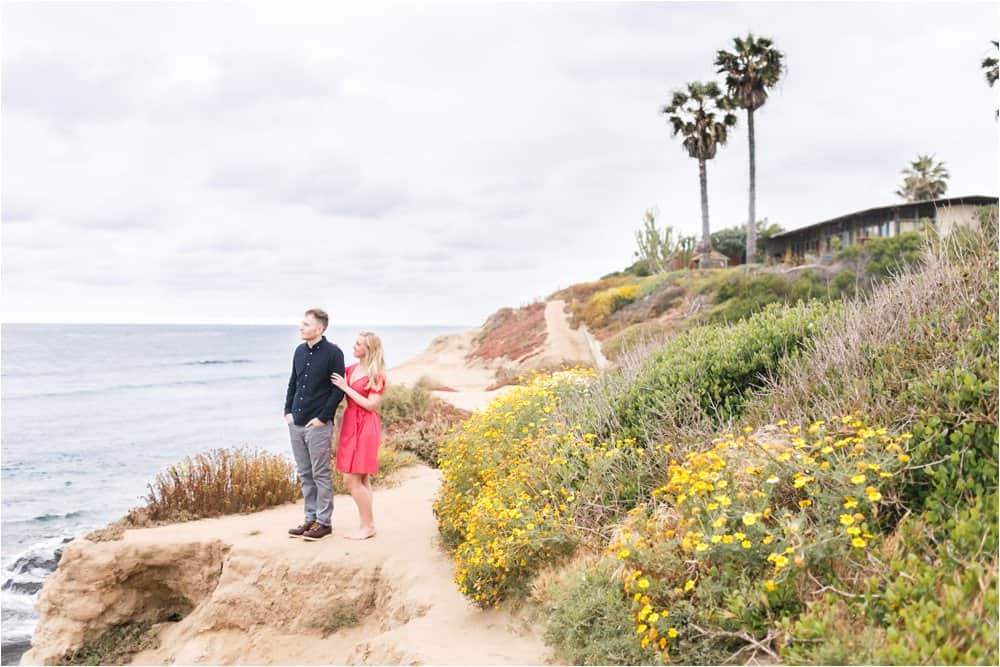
<point x="238" y="590"/>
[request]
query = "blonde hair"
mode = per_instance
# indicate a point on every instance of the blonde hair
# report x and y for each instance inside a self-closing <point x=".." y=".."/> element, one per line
<point x="374" y="359"/>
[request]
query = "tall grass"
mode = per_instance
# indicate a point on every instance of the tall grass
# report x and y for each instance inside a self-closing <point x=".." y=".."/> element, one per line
<point x="221" y="481"/>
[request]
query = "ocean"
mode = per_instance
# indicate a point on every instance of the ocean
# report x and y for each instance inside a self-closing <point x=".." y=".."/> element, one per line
<point x="91" y="413"/>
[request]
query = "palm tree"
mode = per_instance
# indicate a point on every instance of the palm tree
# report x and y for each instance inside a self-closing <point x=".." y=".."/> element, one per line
<point x="924" y="179"/>
<point x="702" y="115"/>
<point x="991" y="70"/>
<point x="990" y="67"/>
<point x="753" y="67"/>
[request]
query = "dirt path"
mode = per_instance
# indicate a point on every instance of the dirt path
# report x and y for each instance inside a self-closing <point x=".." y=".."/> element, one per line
<point x="447" y="361"/>
<point x="276" y="600"/>
<point x="566" y="343"/>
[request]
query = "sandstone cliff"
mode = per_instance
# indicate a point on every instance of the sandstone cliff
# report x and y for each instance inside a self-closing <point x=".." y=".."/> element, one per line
<point x="237" y="590"/>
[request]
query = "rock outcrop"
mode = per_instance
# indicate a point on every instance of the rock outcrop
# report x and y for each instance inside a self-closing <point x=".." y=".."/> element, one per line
<point x="237" y="590"/>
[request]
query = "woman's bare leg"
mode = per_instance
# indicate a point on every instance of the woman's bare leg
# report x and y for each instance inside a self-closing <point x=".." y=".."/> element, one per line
<point x="363" y="499"/>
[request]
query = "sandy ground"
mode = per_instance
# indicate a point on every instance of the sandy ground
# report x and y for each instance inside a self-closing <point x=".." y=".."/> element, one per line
<point x="436" y="625"/>
<point x="446" y="360"/>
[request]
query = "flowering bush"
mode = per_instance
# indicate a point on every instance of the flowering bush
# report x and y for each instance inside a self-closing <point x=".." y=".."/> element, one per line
<point x="603" y="304"/>
<point x="736" y="535"/>
<point x="513" y="475"/>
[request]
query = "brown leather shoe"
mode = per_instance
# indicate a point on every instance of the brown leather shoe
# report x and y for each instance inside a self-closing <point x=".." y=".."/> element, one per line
<point x="317" y="532"/>
<point x="298" y="531"/>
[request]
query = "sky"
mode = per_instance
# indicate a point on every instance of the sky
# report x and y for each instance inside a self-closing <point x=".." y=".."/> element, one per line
<point x="431" y="163"/>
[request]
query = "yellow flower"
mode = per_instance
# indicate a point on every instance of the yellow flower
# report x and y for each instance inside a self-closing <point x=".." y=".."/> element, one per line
<point x="873" y="494"/>
<point x="653" y="618"/>
<point x="858" y="542"/>
<point x="853" y="530"/>
<point x="767" y="539"/>
<point x="749" y="519"/>
<point x="688" y="585"/>
<point x="746" y="544"/>
<point x="641" y="629"/>
<point x="643" y="583"/>
<point x="672" y="633"/>
<point x="850" y="502"/>
<point x="846" y="519"/>
<point x="805" y="503"/>
<point x="624" y="553"/>
<point x="645" y="642"/>
<point x="769" y="585"/>
<point x="858" y="479"/>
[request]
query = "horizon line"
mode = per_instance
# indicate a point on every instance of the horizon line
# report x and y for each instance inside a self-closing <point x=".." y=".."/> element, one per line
<point x="234" y="324"/>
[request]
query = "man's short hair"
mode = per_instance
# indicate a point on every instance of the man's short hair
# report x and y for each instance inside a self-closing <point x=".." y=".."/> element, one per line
<point x="320" y="316"/>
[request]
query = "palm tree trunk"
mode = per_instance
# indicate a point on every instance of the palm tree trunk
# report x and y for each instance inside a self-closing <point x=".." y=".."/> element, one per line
<point x="752" y="216"/>
<point x="706" y="237"/>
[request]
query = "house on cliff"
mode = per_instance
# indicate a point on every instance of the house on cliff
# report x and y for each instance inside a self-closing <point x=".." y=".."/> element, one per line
<point x="817" y="239"/>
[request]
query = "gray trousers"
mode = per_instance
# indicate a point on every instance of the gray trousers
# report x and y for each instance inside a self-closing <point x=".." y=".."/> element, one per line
<point x="311" y="448"/>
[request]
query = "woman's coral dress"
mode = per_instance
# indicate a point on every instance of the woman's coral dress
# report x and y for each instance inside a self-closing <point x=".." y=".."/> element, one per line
<point x="360" y="430"/>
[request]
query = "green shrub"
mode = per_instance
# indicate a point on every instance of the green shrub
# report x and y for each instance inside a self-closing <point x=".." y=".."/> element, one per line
<point x="636" y="335"/>
<point x="845" y="283"/>
<point x="932" y="600"/>
<point x="890" y="255"/>
<point x="741" y="295"/>
<point x="401" y="404"/>
<point x="954" y="451"/>
<point x="588" y="618"/>
<point x="710" y="371"/>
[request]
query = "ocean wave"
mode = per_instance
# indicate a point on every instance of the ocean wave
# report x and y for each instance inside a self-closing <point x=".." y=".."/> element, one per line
<point x="132" y="387"/>
<point x="52" y="517"/>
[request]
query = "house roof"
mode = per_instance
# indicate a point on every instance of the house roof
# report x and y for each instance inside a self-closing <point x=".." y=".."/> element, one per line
<point x="974" y="200"/>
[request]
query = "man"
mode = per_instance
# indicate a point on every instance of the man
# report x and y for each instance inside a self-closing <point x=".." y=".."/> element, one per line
<point x="310" y="404"/>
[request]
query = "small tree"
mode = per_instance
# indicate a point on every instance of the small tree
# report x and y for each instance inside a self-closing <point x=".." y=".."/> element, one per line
<point x="656" y="247"/>
<point x="924" y="179"/>
<point x="732" y="241"/>
<point x="685" y="250"/>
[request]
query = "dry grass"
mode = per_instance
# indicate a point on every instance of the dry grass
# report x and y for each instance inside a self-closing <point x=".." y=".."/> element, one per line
<point x="222" y="481"/>
<point x="902" y="330"/>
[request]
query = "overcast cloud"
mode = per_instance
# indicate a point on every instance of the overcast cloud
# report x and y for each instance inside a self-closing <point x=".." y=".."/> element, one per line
<point x="419" y="164"/>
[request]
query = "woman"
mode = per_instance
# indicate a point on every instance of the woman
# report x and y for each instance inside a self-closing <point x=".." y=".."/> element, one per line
<point x="361" y="428"/>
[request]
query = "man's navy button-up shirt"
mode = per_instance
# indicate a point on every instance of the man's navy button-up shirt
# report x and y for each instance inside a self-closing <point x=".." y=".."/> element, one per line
<point x="310" y="394"/>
